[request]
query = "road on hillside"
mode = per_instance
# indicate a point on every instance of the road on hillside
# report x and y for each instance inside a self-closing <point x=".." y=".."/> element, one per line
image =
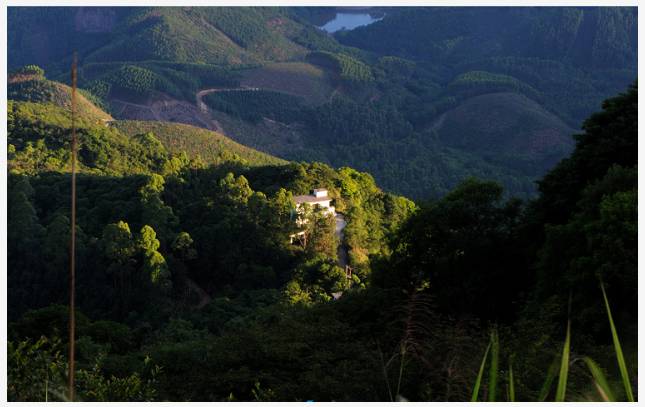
<point x="199" y="95"/>
<point x="342" y="250"/>
<point x="203" y="107"/>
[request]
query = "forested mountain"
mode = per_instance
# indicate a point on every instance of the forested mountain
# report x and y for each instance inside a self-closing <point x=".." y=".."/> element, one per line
<point x="558" y="52"/>
<point x="437" y="79"/>
<point x="510" y="276"/>
<point x="186" y="273"/>
<point x="172" y="221"/>
<point x="212" y="35"/>
<point x="39" y="114"/>
<point x="598" y="37"/>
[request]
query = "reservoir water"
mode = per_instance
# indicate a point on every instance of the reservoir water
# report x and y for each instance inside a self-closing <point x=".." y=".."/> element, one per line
<point x="349" y="21"/>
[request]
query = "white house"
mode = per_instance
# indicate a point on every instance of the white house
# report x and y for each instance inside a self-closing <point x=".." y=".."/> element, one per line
<point x="318" y="197"/>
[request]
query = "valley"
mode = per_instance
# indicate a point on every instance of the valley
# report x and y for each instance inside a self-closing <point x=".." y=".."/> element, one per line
<point x="322" y="204"/>
<point x="397" y="92"/>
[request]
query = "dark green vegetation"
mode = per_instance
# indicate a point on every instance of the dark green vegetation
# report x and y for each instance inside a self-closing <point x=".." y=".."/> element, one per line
<point x="189" y="289"/>
<point x="422" y="99"/>
<point x="159" y="235"/>
<point x="254" y="105"/>
<point x="145" y="79"/>
<point x="436" y="61"/>
<point x="212" y="35"/>
<point x="553" y="55"/>
<point x="351" y="70"/>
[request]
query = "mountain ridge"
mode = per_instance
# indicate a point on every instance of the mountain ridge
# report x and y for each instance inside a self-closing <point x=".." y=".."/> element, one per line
<point x="359" y="86"/>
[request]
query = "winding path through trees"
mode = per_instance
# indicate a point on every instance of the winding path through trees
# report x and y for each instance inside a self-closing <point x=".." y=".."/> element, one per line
<point x="342" y="250"/>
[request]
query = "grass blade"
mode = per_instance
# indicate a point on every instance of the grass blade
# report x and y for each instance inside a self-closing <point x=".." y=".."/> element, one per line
<point x="550" y="376"/>
<point x="564" y="367"/>
<point x="494" y="365"/>
<point x="398" y="386"/>
<point x="511" y="383"/>
<point x="599" y="380"/>
<point x="480" y="375"/>
<point x="619" y="350"/>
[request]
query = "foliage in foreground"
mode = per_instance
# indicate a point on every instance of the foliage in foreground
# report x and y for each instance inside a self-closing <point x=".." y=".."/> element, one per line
<point x="430" y="281"/>
<point x="38" y="371"/>
<point x="604" y="391"/>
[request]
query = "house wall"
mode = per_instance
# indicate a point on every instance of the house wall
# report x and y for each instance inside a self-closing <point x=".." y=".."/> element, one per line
<point x="325" y="204"/>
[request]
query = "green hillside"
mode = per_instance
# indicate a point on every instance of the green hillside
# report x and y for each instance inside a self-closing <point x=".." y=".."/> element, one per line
<point x="39" y="140"/>
<point x="313" y="84"/>
<point x="172" y="50"/>
<point x="136" y="51"/>
<point x="231" y="36"/>
<point x="210" y="146"/>
<point x="172" y="221"/>
<point x="190" y="286"/>
<point x="334" y="97"/>
<point x="598" y="37"/>
<point x="506" y="127"/>
<point x="570" y="55"/>
<point x="39" y="122"/>
<point x="30" y="86"/>
<point x="200" y="278"/>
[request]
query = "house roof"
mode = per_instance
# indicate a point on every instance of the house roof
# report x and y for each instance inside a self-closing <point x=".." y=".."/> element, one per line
<point x="310" y="199"/>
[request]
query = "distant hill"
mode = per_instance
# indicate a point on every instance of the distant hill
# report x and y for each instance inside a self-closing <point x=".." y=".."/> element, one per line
<point x="595" y="37"/>
<point x="210" y="35"/>
<point x="504" y="127"/>
<point x="174" y="50"/>
<point x="570" y="54"/>
<point x="407" y="98"/>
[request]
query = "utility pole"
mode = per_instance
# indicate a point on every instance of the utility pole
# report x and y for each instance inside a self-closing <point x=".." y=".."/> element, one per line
<point x="72" y="246"/>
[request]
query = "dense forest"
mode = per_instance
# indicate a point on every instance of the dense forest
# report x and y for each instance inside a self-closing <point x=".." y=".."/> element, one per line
<point x="482" y="163"/>
<point x="189" y="288"/>
<point x="439" y="94"/>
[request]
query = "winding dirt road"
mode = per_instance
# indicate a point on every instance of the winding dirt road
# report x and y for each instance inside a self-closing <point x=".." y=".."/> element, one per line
<point x="342" y="250"/>
<point x="199" y="95"/>
<point x="203" y="108"/>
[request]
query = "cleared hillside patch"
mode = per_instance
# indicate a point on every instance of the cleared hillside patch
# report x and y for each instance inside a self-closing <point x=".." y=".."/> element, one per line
<point x="297" y="78"/>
